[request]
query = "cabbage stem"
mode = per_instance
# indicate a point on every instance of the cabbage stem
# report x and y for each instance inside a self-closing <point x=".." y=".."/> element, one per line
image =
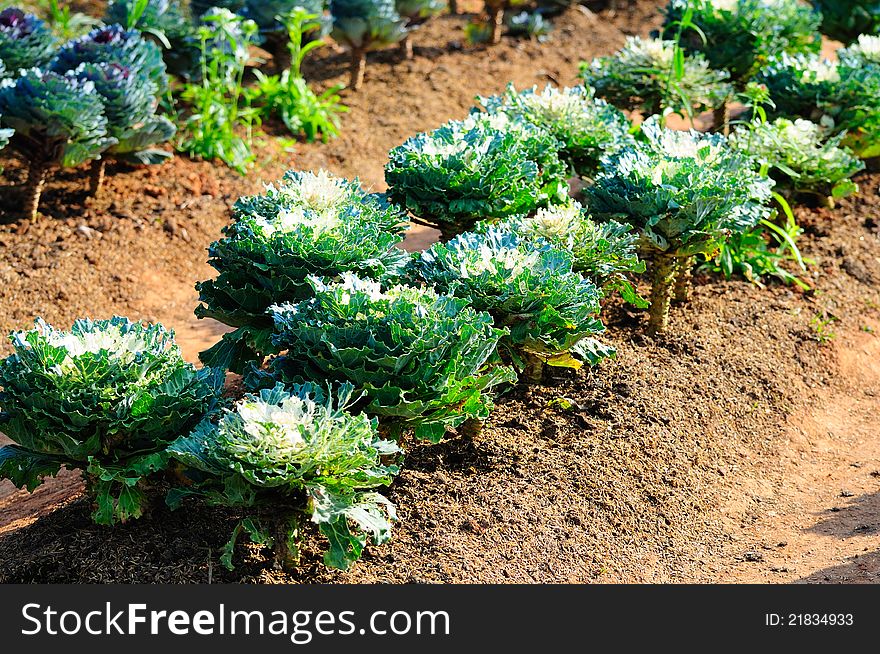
<point x="406" y="47"/>
<point x="33" y="188"/>
<point x="496" y="20"/>
<point x="470" y="428"/>
<point x="281" y="57"/>
<point x="96" y="176"/>
<point x="662" y="289"/>
<point x="533" y="371"/>
<point x="684" y="275"/>
<point x="285" y="534"/>
<point x="358" y="66"/>
<point x="721" y="119"/>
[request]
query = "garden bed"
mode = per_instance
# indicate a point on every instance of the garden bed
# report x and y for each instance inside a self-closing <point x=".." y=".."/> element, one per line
<point x="645" y="472"/>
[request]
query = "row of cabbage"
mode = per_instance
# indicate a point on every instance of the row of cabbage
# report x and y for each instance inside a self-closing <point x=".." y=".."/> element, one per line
<point x="347" y="345"/>
<point x="106" y="96"/>
<point x="359" y="25"/>
<point x="113" y="77"/>
<point x="90" y="99"/>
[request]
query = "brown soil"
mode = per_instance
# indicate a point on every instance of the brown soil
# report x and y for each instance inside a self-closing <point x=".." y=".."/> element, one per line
<point x="688" y="458"/>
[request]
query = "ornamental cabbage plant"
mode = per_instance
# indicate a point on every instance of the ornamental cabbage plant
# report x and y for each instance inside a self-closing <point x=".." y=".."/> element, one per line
<point x="484" y="167"/>
<point x="25" y="41"/>
<point x="114" y="45"/>
<point x="362" y="26"/>
<point x="528" y="286"/>
<point x="130" y="104"/>
<point x="266" y="13"/>
<point x="863" y="52"/>
<point x="800" y="156"/>
<point x="858" y="103"/>
<point x="529" y="24"/>
<point x="307" y="224"/>
<point x="606" y="253"/>
<point x="685" y="193"/>
<point x="844" y="20"/>
<point x="106" y="398"/>
<point x="741" y="35"/>
<point x="586" y="127"/>
<point x="201" y="7"/>
<point x="416" y="13"/>
<point x="284" y="456"/>
<point x="642" y="76"/>
<point x="58" y="120"/>
<point x="166" y="21"/>
<point x="804" y="86"/>
<point x="418" y="360"/>
<point x="844" y="95"/>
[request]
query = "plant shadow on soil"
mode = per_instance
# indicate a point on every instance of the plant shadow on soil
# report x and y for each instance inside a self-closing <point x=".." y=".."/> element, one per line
<point x="848" y="521"/>
<point x="859" y="569"/>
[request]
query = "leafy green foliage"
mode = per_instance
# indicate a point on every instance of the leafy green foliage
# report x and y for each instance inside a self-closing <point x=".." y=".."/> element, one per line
<point x="477" y="32"/>
<point x="741" y="35"/>
<point x="25" y="41"/>
<point x="304" y="112"/>
<point x="130" y="108"/>
<point x="767" y="250"/>
<point x="647" y="74"/>
<point x="484" y="167"/>
<point x="289" y="96"/>
<point x="295" y="451"/>
<point x="269" y="16"/>
<point x="417" y="359"/>
<point x="218" y="110"/>
<point x="858" y="104"/>
<point x="58" y="120"/>
<point x="528" y="286"/>
<point x="843" y="95"/>
<point x="531" y="24"/>
<point x="605" y="253"/>
<point x="166" y="18"/>
<point x="200" y="7"/>
<point x="587" y="127"/>
<point x="863" y="52"/>
<point x="5" y="134"/>
<point x="799" y="156"/>
<point x="685" y="192"/>
<point x="66" y="24"/>
<point x="114" y="45"/>
<point x="309" y="224"/>
<point x="801" y="85"/>
<point x="106" y="397"/>
<point x="167" y="21"/>
<point x="844" y="20"/>
<point x="416" y="12"/>
<point x="364" y="25"/>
